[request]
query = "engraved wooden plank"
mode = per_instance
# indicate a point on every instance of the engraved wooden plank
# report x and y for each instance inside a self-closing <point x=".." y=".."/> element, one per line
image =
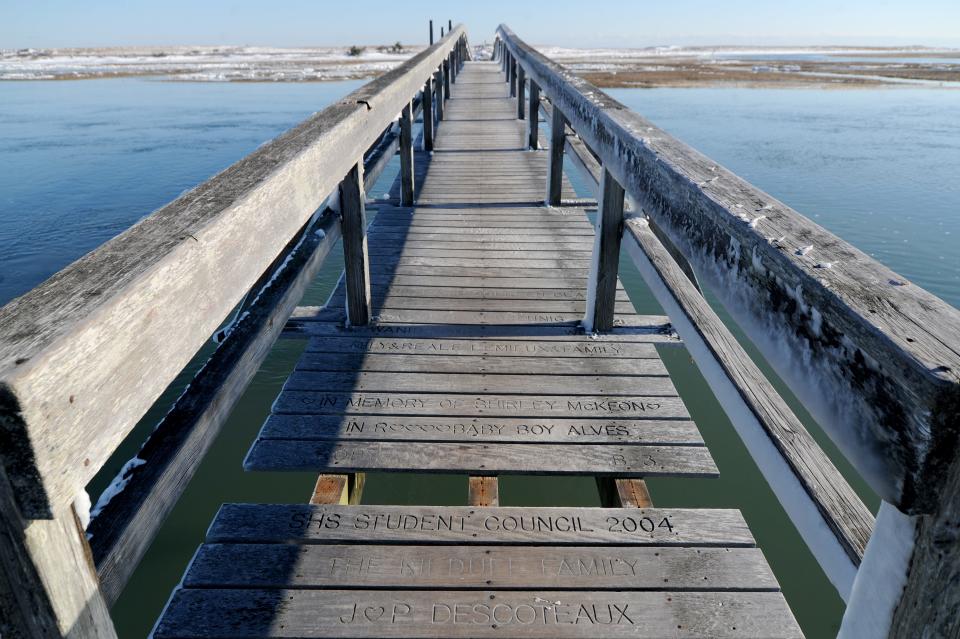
<point x="310" y="524"/>
<point x="477" y="252"/>
<point x="307" y="326"/>
<point x="567" y="244"/>
<point x="526" y="384"/>
<point x="447" y="224"/>
<point x="380" y="271"/>
<point x="610" y="346"/>
<point x="486" y="429"/>
<point x="479" y="567"/>
<point x="493" y="235"/>
<point x="479" y="458"/>
<point x="406" y="363"/>
<point x="399" y="302"/>
<point x="321" y="403"/>
<point x="408" y="614"/>
<point x="414" y="316"/>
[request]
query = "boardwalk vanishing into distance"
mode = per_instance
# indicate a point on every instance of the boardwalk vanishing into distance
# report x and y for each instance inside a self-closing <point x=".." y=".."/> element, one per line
<point x="479" y="329"/>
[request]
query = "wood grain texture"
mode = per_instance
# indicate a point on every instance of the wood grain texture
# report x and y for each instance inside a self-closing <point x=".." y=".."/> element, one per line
<point x="407" y="183"/>
<point x="503" y="614"/>
<point x="502" y="429"/>
<point x="476" y="458"/>
<point x="479" y="567"/>
<point x="355" y="259"/>
<point x="602" y="284"/>
<point x="871" y="354"/>
<point x="830" y="497"/>
<point x="123" y="530"/>
<point x="461" y="525"/>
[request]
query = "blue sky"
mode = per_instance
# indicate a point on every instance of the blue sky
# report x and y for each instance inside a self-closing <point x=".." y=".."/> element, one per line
<point x="51" y="23"/>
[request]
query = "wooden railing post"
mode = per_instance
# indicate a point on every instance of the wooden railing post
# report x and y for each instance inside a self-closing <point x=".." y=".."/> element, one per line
<point x="355" y="258"/>
<point x="48" y="585"/>
<point x="602" y="282"/>
<point x="513" y="76"/>
<point x="427" y="101"/>
<point x="407" y="184"/>
<point x="446" y="79"/>
<point x="438" y="92"/>
<point x="533" y="117"/>
<point x="521" y="87"/>
<point x="558" y="125"/>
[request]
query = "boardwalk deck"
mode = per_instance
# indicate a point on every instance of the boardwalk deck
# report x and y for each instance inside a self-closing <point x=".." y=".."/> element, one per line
<point x="474" y="364"/>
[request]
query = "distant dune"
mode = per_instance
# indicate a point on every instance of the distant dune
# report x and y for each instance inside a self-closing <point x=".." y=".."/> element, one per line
<point x="605" y="67"/>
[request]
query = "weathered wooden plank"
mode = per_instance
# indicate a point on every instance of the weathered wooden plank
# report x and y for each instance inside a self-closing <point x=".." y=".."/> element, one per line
<point x="508" y="615"/>
<point x="419" y="316"/>
<point x="85" y="354"/>
<point x="306" y="325"/>
<point x="523" y="384"/>
<point x="301" y="523"/>
<point x="486" y="294"/>
<point x="438" y="303"/>
<point x="400" y="262"/>
<point x="320" y="403"/>
<point x="502" y="429"/>
<point x="612" y="346"/>
<point x="477" y="458"/>
<point x="469" y="231"/>
<point x="477" y="364"/>
<point x="479" y="567"/>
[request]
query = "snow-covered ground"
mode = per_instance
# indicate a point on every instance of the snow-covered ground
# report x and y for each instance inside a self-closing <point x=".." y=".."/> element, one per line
<point x="201" y="63"/>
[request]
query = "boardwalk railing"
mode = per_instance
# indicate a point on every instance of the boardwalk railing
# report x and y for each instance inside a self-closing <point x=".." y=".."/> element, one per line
<point x="86" y="353"/>
<point x="873" y="357"/>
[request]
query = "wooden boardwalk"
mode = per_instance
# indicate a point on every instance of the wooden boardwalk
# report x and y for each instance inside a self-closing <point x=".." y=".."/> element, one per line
<point x="475" y="364"/>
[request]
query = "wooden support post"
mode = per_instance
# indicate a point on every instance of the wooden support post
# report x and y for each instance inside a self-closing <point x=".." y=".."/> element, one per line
<point x="623" y="493"/>
<point x="602" y="283"/>
<point x="483" y="491"/>
<point x="48" y="585"/>
<point x="427" y="103"/>
<point x="407" y="185"/>
<point x="431" y="33"/>
<point x="446" y="79"/>
<point x="513" y="76"/>
<point x="449" y="26"/>
<point x="438" y="92"/>
<point x="558" y="140"/>
<point x="521" y="87"/>
<point x="356" y="262"/>
<point x="346" y="490"/>
<point x="533" y="116"/>
<point x="452" y="65"/>
<point x="441" y="32"/>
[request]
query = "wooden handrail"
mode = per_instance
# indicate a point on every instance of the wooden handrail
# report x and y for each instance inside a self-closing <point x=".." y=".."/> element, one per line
<point x="85" y="354"/>
<point x="870" y="354"/>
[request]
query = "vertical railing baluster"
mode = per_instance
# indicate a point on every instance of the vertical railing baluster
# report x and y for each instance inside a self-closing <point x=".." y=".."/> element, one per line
<point x="407" y="184"/>
<point x="533" y="116"/>
<point x="355" y="257"/>
<point x="602" y="282"/>
<point x="558" y="140"/>
<point x="446" y="79"/>
<point x="427" y="102"/>
<point x="438" y="92"/>
<point x="513" y="76"/>
<point x="521" y="87"/>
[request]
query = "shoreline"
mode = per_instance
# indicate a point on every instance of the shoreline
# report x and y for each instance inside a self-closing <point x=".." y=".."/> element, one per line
<point x="659" y="67"/>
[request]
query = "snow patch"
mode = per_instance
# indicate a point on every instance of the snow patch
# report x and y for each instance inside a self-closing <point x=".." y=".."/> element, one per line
<point x="116" y="486"/>
<point x="81" y="506"/>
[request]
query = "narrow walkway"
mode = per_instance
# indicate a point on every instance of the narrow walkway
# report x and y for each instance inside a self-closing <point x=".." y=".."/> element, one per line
<point x="476" y="365"/>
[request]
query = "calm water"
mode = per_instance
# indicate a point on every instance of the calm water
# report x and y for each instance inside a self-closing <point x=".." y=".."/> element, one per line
<point x="81" y="161"/>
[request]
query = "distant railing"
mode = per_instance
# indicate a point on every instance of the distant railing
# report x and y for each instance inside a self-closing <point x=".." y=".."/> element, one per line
<point x="86" y="353"/>
<point x="873" y="357"/>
